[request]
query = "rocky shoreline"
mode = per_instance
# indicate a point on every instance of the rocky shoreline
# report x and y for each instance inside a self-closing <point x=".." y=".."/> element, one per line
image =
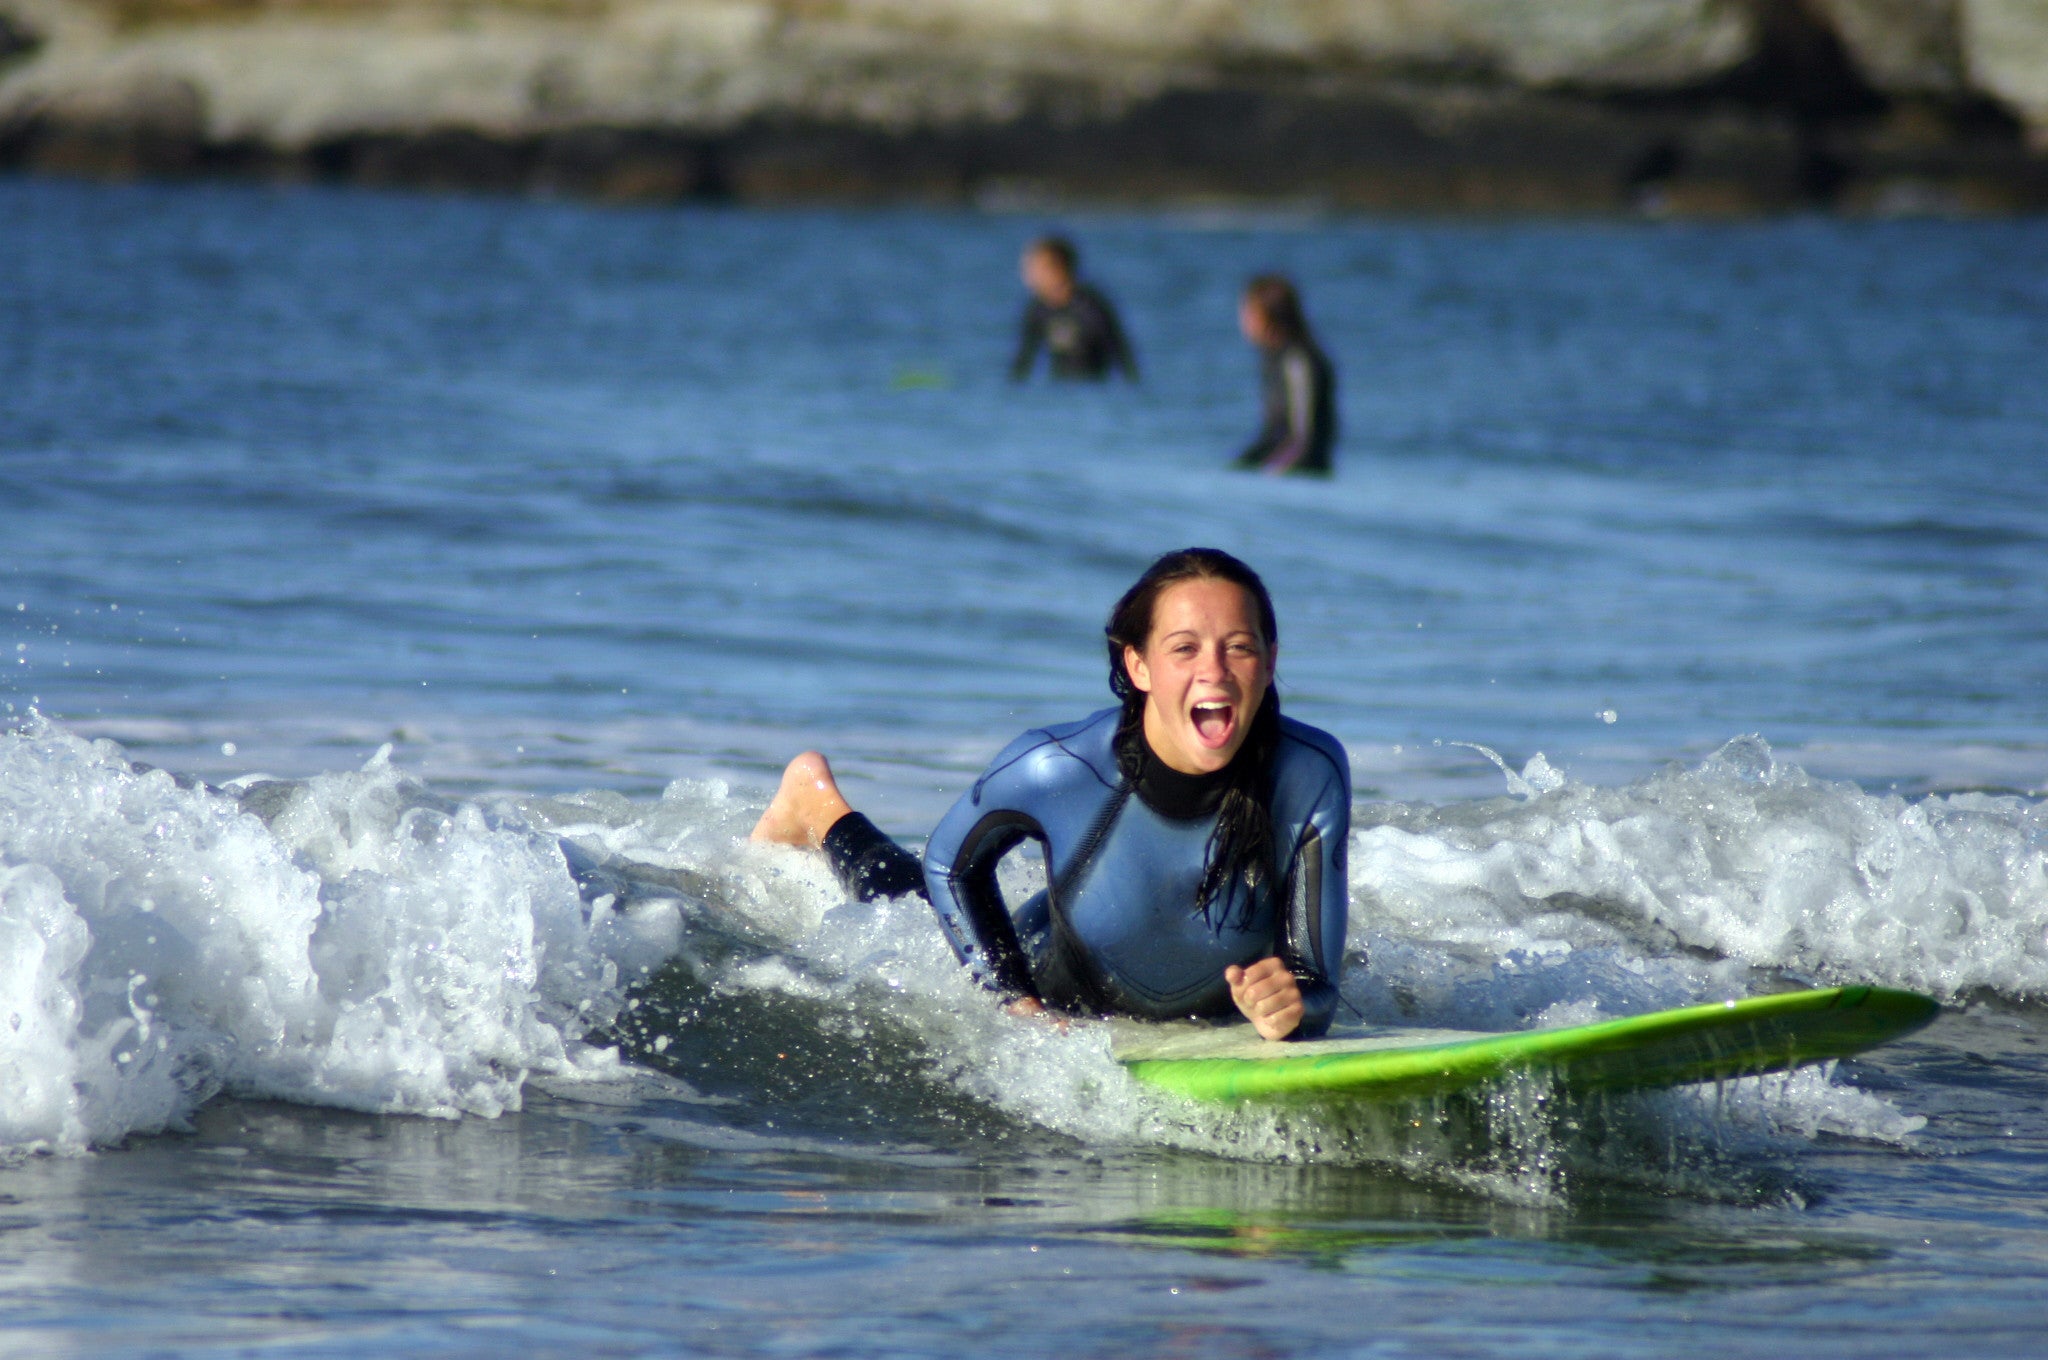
<point x="1683" y="106"/>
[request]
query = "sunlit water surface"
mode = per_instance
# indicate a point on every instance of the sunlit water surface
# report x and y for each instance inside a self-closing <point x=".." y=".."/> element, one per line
<point x="1678" y="600"/>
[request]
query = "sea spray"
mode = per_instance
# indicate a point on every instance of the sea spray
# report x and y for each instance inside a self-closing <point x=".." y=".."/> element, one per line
<point x="869" y="1012"/>
<point x="175" y="935"/>
<point x="163" y="944"/>
<point x="42" y="942"/>
<point x="366" y="943"/>
<point x="1742" y="858"/>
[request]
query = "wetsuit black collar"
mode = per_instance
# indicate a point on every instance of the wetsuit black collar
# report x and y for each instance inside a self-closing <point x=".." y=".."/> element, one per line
<point x="1181" y="797"/>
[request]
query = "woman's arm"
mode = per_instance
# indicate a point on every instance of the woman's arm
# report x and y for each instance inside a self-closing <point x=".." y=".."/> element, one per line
<point x="1120" y="354"/>
<point x="960" y="870"/>
<point x="1030" y="335"/>
<point x="1318" y="921"/>
<point x="1273" y="427"/>
<point x="1293" y="995"/>
<point x="1318" y="908"/>
<point x="1297" y="373"/>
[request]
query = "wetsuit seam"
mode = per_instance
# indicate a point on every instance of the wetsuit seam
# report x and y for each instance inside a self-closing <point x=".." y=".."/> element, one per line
<point x="1130" y="986"/>
<point x="1339" y="771"/>
<point x="1049" y="738"/>
<point x="1340" y="783"/>
<point x="1085" y="763"/>
<point x="992" y="771"/>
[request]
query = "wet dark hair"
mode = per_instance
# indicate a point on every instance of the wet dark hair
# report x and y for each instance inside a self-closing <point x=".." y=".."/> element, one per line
<point x="1275" y="298"/>
<point x="1059" y="248"/>
<point x="1241" y="846"/>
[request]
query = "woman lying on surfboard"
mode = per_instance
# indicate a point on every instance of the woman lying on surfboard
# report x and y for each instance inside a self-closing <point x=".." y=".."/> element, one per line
<point x="1194" y="837"/>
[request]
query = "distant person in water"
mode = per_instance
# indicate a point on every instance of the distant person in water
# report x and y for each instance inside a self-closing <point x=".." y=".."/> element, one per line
<point x="1298" y="388"/>
<point x="1069" y="319"/>
<point x="1194" y="839"/>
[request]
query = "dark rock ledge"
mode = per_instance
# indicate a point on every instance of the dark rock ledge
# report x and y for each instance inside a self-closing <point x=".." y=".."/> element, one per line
<point x="1760" y="106"/>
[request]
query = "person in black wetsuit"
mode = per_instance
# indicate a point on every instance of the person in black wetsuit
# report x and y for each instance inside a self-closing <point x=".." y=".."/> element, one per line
<point x="1069" y="319"/>
<point x="1298" y="387"/>
<point x="1194" y="838"/>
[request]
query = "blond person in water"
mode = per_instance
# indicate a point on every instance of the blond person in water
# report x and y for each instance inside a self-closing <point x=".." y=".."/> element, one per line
<point x="1194" y="838"/>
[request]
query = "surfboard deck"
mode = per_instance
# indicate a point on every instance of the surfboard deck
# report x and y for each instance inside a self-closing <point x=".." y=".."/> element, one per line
<point x="1711" y="1042"/>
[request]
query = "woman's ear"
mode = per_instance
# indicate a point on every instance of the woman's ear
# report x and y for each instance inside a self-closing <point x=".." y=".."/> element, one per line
<point x="1137" y="670"/>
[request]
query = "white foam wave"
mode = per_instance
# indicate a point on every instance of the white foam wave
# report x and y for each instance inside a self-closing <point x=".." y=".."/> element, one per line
<point x="162" y="944"/>
<point x="865" y="967"/>
<point x="368" y="945"/>
<point x="1741" y="858"/>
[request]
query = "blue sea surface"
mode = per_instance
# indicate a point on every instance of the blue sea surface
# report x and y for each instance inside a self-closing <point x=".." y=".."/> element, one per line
<point x="1679" y="598"/>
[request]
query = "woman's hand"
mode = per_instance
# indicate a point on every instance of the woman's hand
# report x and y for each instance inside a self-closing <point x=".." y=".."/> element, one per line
<point x="1269" y="996"/>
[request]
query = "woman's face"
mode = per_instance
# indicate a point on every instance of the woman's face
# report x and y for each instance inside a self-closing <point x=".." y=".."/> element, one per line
<point x="1047" y="278"/>
<point x="1204" y="672"/>
<point x="1252" y="322"/>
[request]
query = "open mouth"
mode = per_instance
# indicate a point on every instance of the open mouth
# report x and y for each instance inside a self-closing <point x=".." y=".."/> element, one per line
<point x="1214" y="722"/>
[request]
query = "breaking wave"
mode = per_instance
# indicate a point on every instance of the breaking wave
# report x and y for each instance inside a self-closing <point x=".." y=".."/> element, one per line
<point x="356" y="940"/>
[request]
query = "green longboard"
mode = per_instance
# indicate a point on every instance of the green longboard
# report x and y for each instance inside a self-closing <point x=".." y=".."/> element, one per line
<point x="1713" y="1042"/>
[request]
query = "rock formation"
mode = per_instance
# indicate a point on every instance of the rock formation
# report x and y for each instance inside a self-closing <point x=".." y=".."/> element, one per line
<point x="1690" y="105"/>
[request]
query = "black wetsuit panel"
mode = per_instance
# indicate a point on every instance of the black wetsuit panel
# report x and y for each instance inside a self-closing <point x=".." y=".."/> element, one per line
<point x="868" y="862"/>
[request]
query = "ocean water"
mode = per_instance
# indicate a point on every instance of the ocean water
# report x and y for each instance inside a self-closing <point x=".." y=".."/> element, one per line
<point x="408" y="603"/>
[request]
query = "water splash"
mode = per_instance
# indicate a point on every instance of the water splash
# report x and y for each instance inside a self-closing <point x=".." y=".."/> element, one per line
<point x="1741" y="859"/>
<point x="356" y="940"/>
<point x="369" y="949"/>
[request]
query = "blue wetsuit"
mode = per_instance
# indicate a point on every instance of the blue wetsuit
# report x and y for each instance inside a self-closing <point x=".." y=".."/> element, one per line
<point x="1118" y="930"/>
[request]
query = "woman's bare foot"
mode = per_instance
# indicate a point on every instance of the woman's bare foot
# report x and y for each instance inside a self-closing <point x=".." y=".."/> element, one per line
<point x="1031" y="1008"/>
<point x="805" y="807"/>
